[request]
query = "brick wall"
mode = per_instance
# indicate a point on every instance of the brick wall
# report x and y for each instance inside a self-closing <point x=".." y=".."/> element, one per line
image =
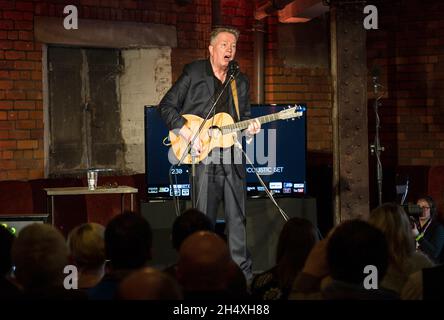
<point x="240" y="15"/>
<point x="409" y="48"/>
<point x="311" y="85"/>
<point x="21" y="105"/>
<point x="21" y="115"/>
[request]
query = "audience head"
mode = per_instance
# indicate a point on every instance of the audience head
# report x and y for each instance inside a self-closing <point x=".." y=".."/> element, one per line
<point x="393" y="221"/>
<point x="128" y="241"/>
<point x="149" y="284"/>
<point x="296" y="240"/>
<point x="203" y="262"/>
<point x="6" y="240"/>
<point x="236" y="283"/>
<point x="40" y="255"/>
<point x="352" y="246"/>
<point x="187" y="223"/>
<point x="87" y="246"/>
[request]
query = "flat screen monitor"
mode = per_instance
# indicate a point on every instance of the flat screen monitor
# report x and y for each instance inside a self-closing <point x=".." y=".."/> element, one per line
<point x="15" y="222"/>
<point x="278" y="155"/>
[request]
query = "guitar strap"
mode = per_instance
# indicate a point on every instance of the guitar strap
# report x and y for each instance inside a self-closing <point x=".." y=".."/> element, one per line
<point x="236" y="100"/>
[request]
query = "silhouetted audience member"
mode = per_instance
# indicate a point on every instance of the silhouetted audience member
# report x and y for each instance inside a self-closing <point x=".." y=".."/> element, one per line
<point x="87" y="251"/>
<point x="344" y="255"/>
<point x="297" y="238"/>
<point x="8" y="289"/>
<point x="128" y="245"/>
<point x="149" y="284"/>
<point x="393" y="221"/>
<point x="203" y="267"/>
<point x="430" y="231"/>
<point x="425" y="284"/>
<point x="189" y="222"/>
<point x="40" y="255"/>
<point x="237" y="283"/>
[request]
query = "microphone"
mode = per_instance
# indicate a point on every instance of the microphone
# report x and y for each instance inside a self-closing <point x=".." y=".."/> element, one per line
<point x="233" y="68"/>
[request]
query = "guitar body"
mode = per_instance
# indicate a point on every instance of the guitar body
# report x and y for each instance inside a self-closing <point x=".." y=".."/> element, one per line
<point x="211" y="136"/>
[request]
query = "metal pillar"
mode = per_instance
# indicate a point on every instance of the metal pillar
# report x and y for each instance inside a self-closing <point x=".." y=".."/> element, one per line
<point x="349" y="112"/>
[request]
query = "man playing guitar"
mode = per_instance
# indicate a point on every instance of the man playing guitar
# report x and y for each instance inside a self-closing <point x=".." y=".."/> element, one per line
<point x="193" y="94"/>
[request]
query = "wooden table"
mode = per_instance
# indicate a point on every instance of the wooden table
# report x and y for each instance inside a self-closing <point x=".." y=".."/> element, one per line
<point x="74" y="191"/>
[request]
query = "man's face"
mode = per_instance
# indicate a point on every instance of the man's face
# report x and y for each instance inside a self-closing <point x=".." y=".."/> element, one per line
<point x="222" y="50"/>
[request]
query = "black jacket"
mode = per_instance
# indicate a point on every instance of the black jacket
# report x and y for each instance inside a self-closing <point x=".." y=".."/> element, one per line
<point x="193" y="93"/>
<point x="432" y="243"/>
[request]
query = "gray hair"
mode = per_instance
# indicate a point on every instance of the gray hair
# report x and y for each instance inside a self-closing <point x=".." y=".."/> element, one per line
<point x="40" y="255"/>
<point x="215" y="32"/>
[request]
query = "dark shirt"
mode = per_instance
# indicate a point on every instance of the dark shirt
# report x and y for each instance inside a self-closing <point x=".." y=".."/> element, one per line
<point x="107" y="288"/>
<point x="222" y="104"/>
<point x="432" y="243"/>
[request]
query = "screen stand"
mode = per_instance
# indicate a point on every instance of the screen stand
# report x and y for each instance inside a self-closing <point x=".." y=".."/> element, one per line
<point x="193" y="179"/>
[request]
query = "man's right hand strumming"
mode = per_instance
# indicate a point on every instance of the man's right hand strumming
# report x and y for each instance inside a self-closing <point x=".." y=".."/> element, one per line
<point x="187" y="134"/>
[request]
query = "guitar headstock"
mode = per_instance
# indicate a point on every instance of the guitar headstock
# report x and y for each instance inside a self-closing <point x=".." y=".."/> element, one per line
<point x="293" y="112"/>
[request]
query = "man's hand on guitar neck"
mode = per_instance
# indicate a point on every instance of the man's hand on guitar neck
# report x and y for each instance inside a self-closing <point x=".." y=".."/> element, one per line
<point x="187" y="134"/>
<point x="253" y="128"/>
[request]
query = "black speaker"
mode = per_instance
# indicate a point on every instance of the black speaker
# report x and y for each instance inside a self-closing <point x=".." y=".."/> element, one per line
<point x="161" y="215"/>
<point x="264" y="224"/>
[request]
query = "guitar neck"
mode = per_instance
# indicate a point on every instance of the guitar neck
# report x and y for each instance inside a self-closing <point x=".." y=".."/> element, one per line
<point x="244" y="124"/>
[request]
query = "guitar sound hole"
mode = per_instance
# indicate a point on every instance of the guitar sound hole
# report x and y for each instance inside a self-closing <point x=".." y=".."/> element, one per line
<point x="214" y="132"/>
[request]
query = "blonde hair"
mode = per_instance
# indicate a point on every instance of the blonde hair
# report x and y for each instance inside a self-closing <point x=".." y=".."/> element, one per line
<point x="215" y="32"/>
<point x="87" y="245"/>
<point x="392" y="220"/>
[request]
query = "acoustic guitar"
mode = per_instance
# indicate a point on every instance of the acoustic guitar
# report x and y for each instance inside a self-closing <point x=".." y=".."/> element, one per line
<point x="220" y="131"/>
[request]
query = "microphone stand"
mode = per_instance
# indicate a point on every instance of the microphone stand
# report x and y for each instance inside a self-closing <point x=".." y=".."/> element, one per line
<point x="269" y="194"/>
<point x="404" y="196"/>
<point x="189" y="149"/>
<point x="376" y="147"/>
